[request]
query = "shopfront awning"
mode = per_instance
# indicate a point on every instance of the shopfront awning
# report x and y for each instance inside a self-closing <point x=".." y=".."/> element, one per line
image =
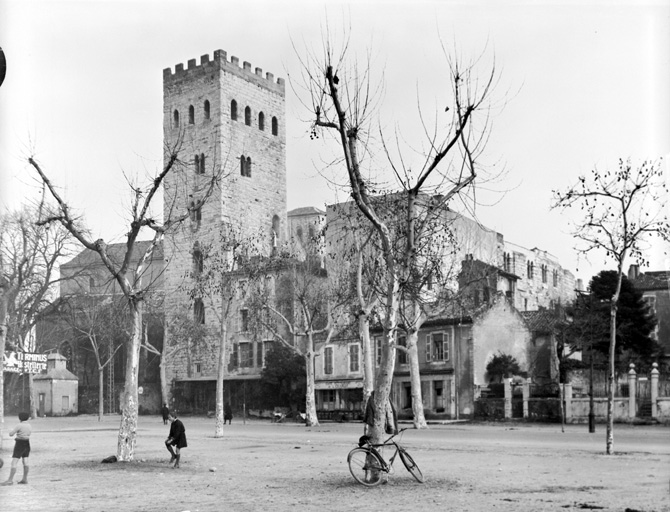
<point x="339" y="384"/>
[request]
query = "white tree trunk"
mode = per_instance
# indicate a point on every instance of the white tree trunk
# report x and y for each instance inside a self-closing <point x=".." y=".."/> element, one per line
<point x="164" y="388"/>
<point x="32" y="403"/>
<point x="366" y="354"/>
<point x="609" y="443"/>
<point x="220" y="372"/>
<point x="310" y="397"/>
<point x="101" y="392"/>
<point x="127" y="437"/>
<point x="419" y="418"/>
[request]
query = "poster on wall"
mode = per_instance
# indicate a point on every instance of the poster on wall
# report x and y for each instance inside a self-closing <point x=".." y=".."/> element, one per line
<point x="24" y="362"/>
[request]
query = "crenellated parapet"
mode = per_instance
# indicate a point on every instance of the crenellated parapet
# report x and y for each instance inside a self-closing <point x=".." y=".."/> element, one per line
<point x="220" y="62"/>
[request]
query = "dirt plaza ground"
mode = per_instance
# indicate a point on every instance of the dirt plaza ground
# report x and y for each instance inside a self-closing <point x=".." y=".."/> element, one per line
<point x="263" y="466"/>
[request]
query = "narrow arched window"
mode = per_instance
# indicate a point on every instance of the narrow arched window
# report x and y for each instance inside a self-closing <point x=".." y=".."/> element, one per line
<point x="275" y="126"/>
<point x="243" y="166"/>
<point x="261" y="121"/>
<point x="275" y="230"/>
<point x="248" y="167"/>
<point x="247" y="116"/>
<point x="191" y="115"/>
<point x="206" y="109"/>
<point x="196" y="162"/>
<point x="202" y="163"/>
<point x="195" y="213"/>
<point x="233" y="110"/>
<point x="198" y="260"/>
<point x="175" y="119"/>
<point x="198" y="311"/>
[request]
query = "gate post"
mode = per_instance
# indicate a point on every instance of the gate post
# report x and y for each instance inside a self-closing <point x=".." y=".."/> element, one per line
<point x="508" y="398"/>
<point x="632" y="379"/>
<point x="526" y="396"/>
<point x="568" y="400"/>
<point x="654" y="390"/>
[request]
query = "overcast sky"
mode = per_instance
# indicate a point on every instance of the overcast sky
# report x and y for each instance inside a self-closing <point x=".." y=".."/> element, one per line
<point x="583" y="85"/>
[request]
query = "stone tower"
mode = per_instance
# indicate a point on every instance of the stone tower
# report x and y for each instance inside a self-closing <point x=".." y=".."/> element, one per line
<point x="230" y="120"/>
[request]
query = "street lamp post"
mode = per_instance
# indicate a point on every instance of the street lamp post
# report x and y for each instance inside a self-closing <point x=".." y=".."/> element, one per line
<point x="592" y="416"/>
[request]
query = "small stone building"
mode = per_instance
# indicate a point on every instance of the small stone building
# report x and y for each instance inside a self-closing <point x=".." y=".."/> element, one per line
<point x="57" y="390"/>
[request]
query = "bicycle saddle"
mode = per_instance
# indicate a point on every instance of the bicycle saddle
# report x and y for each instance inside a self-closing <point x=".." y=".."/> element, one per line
<point x="363" y="440"/>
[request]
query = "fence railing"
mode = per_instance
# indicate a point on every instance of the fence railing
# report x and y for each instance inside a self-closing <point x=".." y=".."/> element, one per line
<point x="634" y="397"/>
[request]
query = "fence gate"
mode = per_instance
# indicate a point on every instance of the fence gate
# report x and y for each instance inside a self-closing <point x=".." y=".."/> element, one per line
<point x="643" y="398"/>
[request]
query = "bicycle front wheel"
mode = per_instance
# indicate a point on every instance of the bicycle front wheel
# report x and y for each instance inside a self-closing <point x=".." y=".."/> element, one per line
<point x="365" y="467"/>
<point x="411" y="466"/>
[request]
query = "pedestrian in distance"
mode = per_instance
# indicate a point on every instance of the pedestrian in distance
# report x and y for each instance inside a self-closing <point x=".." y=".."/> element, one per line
<point x="165" y="412"/>
<point x="176" y="438"/>
<point x="227" y="414"/>
<point x="21" y="448"/>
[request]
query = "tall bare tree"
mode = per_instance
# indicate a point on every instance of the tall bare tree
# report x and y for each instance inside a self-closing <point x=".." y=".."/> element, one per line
<point x="29" y="256"/>
<point x="299" y="304"/>
<point x="621" y="210"/>
<point x="342" y="102"/>
<point x="219" y="276"/>
<point x="131" y="271"/>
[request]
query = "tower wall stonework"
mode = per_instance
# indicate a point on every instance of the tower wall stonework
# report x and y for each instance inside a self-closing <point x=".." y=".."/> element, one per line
<point x="250" y="200"/>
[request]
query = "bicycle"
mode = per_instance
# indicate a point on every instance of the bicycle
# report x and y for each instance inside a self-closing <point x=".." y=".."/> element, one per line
<point x="367" y="465"/>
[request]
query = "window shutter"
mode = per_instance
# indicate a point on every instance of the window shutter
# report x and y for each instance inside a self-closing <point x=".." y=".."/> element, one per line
<point x="233" y="356"/>
<point x="429" y="342"/>
<point x="445" y="346"/>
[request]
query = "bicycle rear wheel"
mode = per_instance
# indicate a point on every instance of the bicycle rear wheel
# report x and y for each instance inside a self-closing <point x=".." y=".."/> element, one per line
<point x="411" y="466"/>
<point x="365" y="467"/>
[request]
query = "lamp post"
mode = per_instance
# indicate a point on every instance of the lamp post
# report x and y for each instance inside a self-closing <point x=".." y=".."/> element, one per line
<point x="592" y="416"/>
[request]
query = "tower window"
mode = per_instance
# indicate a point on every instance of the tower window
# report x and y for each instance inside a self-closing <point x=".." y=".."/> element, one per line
<point x="275" y="126"/>
<point x="197" y="164"/>
<point x="261" y="121"/>
<point x="198" y="311"/>
<point x="191" y="115"/>
<point x="201" y="169"/>
<point x="175" y="119"/>
<point x="198" y="260"/>
<point x="247" y="116"/>
<point x="196" y="213"/>
<point x="275" y="230"/>
<point x="245" y="166"/>
<point x="206" y="109"/>
<point x="233" y="110"/>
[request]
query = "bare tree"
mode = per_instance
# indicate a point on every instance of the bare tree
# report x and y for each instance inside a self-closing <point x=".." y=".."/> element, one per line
<point x="621" y="210"/>
<point x="219" y="276"/>
<point x="131" y="271"/>
<point x="341" y="102"/>
<point x="29" y="256"/>
<point x="299" y="304"/>
<point x="95" y="320"/>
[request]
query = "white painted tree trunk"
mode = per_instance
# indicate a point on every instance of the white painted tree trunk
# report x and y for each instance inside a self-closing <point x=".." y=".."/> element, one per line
<point x="366" y="354"/>
<point x="310" y="397"/>
<point x="164" y="388"/>
<point x="419" y="418"/>
<point x="127" y="437"/>
<point x="101" y="392"/>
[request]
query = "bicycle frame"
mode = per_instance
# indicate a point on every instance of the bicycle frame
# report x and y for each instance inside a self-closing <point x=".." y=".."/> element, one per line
<point x="389" y="442"/>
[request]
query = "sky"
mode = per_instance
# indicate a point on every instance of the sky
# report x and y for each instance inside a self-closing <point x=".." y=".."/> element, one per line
<point x="582" y="84"/>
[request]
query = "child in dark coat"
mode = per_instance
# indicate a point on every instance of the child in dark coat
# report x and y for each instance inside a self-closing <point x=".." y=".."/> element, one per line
<point x="176" y="438"/>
